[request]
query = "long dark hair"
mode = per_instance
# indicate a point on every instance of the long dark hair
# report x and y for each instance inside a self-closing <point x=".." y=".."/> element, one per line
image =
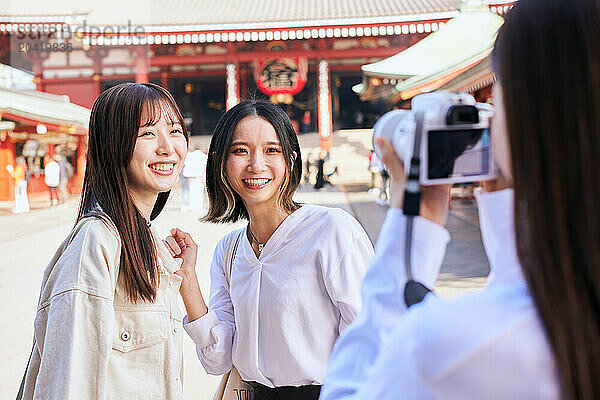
<point x="225" y="205"/>
<point x="547" y="58"/>
<point x="116" y="117"/>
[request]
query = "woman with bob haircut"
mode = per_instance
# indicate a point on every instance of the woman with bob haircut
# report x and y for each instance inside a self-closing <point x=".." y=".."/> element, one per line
<point x="295" y="278"/>
<point x="534" y="332"/>
<point x="108" y="324"/>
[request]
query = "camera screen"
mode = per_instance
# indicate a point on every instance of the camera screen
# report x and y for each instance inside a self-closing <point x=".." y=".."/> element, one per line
<point x="458" y="153"/>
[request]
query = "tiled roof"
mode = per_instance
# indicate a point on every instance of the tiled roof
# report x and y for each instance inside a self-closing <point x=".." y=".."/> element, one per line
<point x="467" y="36"/>
<point x="234" y="13"/>
<point x="473" y="79"/>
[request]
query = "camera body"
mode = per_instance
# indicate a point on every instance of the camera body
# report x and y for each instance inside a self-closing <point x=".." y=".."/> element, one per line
<point x="454" y="137"/>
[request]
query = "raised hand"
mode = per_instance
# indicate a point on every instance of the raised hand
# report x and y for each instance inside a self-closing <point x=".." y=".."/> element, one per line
<point x="181" y="245"/>
<point x="435" y="199"/>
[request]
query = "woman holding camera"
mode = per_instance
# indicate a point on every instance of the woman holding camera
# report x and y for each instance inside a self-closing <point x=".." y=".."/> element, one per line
<point x="108" y="325"/>
<point x="534" y="332"/>
<point x="291" y="281"/>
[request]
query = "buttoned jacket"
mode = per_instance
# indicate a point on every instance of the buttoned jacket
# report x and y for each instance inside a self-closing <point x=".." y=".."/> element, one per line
<point x="90" y="341"/>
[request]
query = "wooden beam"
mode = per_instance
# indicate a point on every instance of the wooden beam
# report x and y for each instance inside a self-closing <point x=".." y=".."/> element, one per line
<point x="250" y="56"/>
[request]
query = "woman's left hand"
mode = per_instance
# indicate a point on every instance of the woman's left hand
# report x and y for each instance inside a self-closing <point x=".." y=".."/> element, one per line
<point x="435" y="199"/>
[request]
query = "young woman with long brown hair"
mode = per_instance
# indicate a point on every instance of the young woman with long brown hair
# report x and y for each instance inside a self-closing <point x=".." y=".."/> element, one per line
<point x="534" y="332"/>
<point x="294" y="282"/>
<point x="108" y="324"/>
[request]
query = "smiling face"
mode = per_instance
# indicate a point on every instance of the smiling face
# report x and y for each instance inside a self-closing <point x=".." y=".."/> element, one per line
<point x="255" y="165"/>
<point x="158" y="156"/>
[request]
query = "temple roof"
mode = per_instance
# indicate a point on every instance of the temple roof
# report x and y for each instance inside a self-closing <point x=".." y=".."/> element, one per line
<point x="227" y="14"/>
<point x="461" y="44"/>
<point x="43" y="107"/>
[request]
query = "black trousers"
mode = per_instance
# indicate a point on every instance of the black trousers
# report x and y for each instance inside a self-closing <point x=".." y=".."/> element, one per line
<point x="308" y="392"/>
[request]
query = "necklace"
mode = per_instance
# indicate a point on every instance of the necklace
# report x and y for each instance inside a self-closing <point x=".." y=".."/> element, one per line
<point x="255" y="240"/>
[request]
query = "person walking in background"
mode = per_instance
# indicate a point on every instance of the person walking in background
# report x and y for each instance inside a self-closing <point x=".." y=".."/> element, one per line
<point x="307" y="168"/>
<point x="374" y="169"/>
<point x="184" y="181"/>
<point x="384" y="188"/>
<point x="321" y="180"/>
<point x="66" y="172"/>
<point x="290" y="283"/>
<point x="379" y="180"/>
<point x="19" y="174"/>
<point x="194" y="173"/>
<point x="306" y="122"/>
<point x="52" y="178"/>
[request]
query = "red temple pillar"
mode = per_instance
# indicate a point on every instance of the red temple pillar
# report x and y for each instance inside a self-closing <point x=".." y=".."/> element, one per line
<point x="164" y="79"/>
<point x="96" y="54"/>
<point x="232" y="95"/>
<point x="244" y="75"/>
<point x="324" y="106"/>
<point x="38" y="75"/>
<point x="141" y="64"/>
<point x="7" y="157"/>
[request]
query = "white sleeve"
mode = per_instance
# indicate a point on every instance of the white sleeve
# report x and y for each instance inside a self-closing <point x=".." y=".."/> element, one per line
<point x="213" y="332"/>
<point x="383" y="302"/>
<point x="395" y="374"/>
<point x="344" y="283"/>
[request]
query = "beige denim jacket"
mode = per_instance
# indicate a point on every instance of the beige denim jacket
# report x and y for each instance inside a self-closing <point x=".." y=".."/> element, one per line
<point x="90" y="341"/>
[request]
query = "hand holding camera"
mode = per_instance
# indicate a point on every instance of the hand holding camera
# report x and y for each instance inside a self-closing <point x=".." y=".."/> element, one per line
<point x="444" y="139"/>
<point x="434" y="198"/>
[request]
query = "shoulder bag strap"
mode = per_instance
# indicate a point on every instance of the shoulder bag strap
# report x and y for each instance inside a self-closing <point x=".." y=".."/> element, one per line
<point x="231" y="246"/>
<point x="22" y="387"/>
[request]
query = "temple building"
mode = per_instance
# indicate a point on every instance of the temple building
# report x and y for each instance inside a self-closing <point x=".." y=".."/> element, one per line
<point x="303" y="54"/>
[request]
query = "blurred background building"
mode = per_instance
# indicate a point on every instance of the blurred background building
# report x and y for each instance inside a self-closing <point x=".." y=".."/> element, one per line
<point x="330" y="64"/>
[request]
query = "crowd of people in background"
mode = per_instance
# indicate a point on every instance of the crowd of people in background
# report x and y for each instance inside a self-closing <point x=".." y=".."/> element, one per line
<point x="58" y="170"/>
<point x="20" y="174"/>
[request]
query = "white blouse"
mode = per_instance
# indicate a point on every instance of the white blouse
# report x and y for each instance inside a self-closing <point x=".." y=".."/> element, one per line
<point x="290" y="304"/>
<point x="487" y="345"/>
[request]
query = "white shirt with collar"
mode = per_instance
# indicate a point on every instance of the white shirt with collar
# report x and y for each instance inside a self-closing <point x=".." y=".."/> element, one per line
<point x="487" y="345"/>
<point x="285" y="309"/>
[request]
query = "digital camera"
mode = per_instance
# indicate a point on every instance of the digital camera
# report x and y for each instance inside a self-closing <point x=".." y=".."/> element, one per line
<point x="450" y="132"/>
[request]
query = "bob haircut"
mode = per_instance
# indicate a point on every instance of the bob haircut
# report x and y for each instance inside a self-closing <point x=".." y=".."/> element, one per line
<point x="117" y="115"/>
<point x="225" y="205"/>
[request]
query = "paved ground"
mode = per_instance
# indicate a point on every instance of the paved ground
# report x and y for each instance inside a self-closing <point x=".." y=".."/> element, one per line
<point x="27" y="242"/>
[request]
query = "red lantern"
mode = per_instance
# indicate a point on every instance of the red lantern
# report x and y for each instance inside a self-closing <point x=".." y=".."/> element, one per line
<point x="280" y="76"/>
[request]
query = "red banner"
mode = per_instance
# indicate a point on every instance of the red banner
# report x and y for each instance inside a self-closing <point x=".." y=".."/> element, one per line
<point x="282" y="75"/>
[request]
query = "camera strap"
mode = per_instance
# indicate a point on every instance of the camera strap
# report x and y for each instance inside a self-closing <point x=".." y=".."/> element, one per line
<point x="414" y="292"/>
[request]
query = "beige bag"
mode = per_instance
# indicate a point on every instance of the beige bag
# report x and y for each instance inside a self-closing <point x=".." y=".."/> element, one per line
<point x="232" y="387"/>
